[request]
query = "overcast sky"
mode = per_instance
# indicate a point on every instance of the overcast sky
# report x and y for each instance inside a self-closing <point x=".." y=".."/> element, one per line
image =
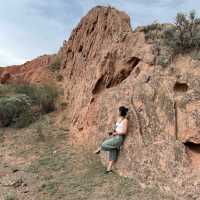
<point x="30" y="28"/>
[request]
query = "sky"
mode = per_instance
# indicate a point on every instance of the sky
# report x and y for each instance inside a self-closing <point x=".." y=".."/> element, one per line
<point x="30" y="28"/>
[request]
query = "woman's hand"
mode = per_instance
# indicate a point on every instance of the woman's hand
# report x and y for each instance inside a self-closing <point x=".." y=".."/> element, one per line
<point x="114" y="133"/>
<point x="110" y="133"/>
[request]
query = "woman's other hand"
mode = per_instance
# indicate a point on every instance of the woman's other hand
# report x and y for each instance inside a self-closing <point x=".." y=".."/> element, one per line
<point x="114" y="133"/>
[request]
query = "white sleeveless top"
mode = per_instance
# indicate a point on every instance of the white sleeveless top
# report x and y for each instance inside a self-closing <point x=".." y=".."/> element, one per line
<point x="119" y="126"/>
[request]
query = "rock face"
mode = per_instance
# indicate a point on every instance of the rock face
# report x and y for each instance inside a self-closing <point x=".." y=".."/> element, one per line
<point x="35" y="71"/>
<point x="105" y="65"/>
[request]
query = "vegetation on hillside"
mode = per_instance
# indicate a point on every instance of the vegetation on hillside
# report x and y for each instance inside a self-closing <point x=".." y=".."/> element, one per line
<point x="56" y="64"/>
<point x="20" y="104"/>
<point x="183" y="36"/>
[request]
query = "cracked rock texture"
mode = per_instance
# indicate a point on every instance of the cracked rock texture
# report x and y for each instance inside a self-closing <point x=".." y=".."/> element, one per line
<point x="105" y="65"/>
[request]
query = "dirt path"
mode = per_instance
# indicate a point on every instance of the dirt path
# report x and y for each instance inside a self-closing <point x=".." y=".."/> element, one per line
<point x="37" y="163"/>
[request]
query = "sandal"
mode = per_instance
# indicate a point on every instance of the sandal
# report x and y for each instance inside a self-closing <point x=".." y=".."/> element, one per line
<point x="108" y="171"/>
<point x="97" y="151"/>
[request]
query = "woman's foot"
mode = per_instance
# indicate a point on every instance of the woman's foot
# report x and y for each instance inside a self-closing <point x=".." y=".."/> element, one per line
<point x="108" y="171"/>
<point x="97" y="151"/>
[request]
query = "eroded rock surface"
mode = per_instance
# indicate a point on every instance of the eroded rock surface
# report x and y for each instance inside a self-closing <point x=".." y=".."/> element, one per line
<point x="105" y="65"/>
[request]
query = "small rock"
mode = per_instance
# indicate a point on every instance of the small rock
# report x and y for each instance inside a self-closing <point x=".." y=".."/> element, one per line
<point x="6" y="165"/>
<point x="24" y="184"/>
<point x="18" y="183"/>
<point x="10" y="181"/>
<point x="15" y="170"/>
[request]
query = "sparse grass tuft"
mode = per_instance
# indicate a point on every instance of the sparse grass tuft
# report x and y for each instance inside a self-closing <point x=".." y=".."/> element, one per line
<point x="10" y="196"/>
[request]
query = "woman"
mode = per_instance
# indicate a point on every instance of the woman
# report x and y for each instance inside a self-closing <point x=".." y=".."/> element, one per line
<point x="113" y="144"/>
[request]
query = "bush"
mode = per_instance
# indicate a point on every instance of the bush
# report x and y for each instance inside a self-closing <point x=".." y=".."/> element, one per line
<point x="153" y="31"/>
<point x="59" y="77"/>
<point x="6" y="89"/>
<point x="10" y="196"/>
<point x="55" y="66"/>
<point x="44" y="96"/>
<point x="171" y="39"/>
<point x="184" y="36"/>
<point x="47" y="98"/>
<point x="16" y="107"/>
<point x="30" y="90"/>
<point x="195" y="55"/>
<point x="15" y="111"/>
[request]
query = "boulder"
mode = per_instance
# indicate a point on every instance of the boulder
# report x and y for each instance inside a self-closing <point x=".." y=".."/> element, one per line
<point x="105" y="65"/>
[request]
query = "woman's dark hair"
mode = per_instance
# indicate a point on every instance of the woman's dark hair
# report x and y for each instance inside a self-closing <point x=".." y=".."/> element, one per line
<point x="123" y="111"/>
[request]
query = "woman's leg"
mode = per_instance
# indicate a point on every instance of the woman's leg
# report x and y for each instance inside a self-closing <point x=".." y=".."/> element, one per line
<point x="98" y="150"/>
<point x="113" y="153"/>
<point x="110" y="164"/>
<point x="111" y="146"/>
<point x="112" y="158"/>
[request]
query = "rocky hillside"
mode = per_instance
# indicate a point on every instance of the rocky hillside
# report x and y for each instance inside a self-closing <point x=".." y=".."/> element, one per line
<point x="105" y="64"/>
<point x="35" y="71"/>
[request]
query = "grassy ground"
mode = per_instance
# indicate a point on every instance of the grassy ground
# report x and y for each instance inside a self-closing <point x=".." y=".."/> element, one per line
<point x="38" y="163"/>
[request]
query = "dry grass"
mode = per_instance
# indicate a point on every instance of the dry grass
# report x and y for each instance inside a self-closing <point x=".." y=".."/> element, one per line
<point x="53" y="169"/>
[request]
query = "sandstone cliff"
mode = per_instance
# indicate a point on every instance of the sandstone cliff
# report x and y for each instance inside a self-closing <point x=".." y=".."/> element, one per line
<point x="105" y="64"/>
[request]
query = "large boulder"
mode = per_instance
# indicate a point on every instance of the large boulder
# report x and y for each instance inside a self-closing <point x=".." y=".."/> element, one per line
<point x="105" y="65"/>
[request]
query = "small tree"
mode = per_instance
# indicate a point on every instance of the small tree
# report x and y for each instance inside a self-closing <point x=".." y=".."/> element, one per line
<point x="184" y="35"/>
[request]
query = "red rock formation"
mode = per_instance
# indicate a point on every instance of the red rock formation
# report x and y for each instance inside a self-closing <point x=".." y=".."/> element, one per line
<point x="35" y="71"/>
<point x="105" y="65"/>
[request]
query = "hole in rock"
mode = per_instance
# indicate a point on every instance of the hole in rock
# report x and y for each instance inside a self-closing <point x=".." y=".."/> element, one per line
<point x="137" y="71"/>
<point x="193" y="151"/>
<point x="180" y="87"/>
<point x="124" y="73"/>
<point x="133" y="61"/>
<point x="80" y="48"/>
<point x="108" y="81"/>
<point x="69" y="51"/>
<point x="98" y="86"/>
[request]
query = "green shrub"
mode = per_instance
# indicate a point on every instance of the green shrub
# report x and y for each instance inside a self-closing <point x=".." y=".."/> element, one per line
<point x="59" y="77"/>
<point x="6" y="89"/>
<point x="30" y="90"/>
<point x="47" y="98"/>
<point x="44" y="96"/>
<point x="195" y="55"/>
<point x="10" y="196"/>
<point x="15" y="111"/>
<point x="152" y="31"/>
<point x="17" y="103"/>
<point x="56" y="64"/>
<point x="181" y="37"/>
<point x="184" y="35"/>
